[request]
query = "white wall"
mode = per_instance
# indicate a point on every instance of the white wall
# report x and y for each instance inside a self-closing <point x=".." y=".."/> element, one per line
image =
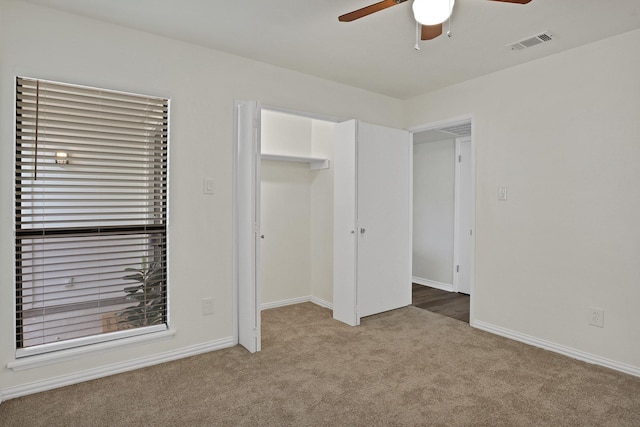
<point x="433" y="211"/>
<point x="283" y="133"/>
<point x="562" y="133"/>
<point x="286" y="224"/>
<point x="202" y="85"/>
<point x="285" y="209"/>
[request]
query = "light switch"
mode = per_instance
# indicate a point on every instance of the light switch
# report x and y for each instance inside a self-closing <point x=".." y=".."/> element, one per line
<point x="502" y="193"/>
<point x="209" y="186"/>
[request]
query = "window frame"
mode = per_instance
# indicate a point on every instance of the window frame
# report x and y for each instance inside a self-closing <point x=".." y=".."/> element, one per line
<point x="161" y="229"/>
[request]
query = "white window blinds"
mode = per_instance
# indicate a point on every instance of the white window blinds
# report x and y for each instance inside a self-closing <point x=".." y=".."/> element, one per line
<point x="91" y="211"/>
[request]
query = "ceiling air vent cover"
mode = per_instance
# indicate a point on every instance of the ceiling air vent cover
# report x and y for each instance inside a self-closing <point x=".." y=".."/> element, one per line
<point x="460" y="129"/>
<point x="531" y="41"/>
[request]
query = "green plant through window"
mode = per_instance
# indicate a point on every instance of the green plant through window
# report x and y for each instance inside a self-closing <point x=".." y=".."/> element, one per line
<point x="148" y="293"/>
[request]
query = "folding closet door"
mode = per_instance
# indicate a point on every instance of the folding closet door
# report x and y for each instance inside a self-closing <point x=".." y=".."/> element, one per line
<point x="247" y="223"/>
<point x="372" y="217"/>
<point x="344" y="224"/>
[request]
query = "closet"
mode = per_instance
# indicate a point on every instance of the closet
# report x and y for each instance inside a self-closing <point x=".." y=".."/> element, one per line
<point x="296" y="209"/>
<point x="345" y="245"/>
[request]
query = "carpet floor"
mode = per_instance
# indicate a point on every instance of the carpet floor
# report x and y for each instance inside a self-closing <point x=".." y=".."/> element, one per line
<point x="407" y="367"/>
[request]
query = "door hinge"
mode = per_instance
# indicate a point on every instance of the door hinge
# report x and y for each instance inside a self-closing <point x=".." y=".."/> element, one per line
<point x="459" y="158"/>
<point x="457" y="269"/>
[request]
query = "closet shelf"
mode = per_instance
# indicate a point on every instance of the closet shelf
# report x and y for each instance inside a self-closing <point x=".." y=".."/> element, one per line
<point x="315" y="163"/>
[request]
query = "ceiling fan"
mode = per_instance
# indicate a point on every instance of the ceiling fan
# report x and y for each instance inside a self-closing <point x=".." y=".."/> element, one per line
<point x="429" y="13"/>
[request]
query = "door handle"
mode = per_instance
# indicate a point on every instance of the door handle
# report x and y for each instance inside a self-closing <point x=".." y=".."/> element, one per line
<point x="362" y="230"/>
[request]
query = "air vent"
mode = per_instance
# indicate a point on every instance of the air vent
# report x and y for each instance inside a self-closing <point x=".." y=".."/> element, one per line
<point x="461" y="129"/>
<point x="531" y="41"/>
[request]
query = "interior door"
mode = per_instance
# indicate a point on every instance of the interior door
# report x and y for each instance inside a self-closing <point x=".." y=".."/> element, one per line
<point x="247" y="227"/>
<point x="384" y="173"/>
<point x="464" y="239"/>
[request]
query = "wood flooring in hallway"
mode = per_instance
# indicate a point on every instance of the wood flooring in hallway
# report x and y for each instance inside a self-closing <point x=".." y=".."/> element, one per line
<point x="450" y="304"/>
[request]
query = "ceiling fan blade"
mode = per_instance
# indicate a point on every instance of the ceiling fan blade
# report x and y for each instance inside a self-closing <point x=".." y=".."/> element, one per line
<point x="514" y="1"/>
<point x="368" y="10"/>
<point x="430" y="32"/>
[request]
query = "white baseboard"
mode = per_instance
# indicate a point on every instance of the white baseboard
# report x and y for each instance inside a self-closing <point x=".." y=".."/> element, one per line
<point x="65" y="355"/>
<point x="299" y="300"/>
<point x="432" y="284"/>
<point x="557" y="348"/>
<point x="321" y="302"/>
<point x="291" y="301"/>
<point x="115" y="368"/>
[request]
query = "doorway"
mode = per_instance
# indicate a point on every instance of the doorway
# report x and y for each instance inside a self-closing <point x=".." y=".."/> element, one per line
<point x="443" y="212"/>
<point x="247" y="234"/>
<point x="296" y="209"/>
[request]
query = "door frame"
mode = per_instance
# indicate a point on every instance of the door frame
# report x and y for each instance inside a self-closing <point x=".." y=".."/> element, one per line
<point x="439" y="125"/>
<point x="458" y="233"/>
<point x="246" y="198"/>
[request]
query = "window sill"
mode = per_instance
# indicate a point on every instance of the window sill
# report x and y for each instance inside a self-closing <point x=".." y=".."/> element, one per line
<point x="39" y="360"/>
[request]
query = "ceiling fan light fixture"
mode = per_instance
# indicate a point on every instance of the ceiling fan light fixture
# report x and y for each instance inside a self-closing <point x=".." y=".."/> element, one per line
<point x="432" y="12"/>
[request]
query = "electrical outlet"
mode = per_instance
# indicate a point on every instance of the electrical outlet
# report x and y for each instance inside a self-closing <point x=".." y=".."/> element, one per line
<point x="596" y="317"/>
<point x="207" y="306"/>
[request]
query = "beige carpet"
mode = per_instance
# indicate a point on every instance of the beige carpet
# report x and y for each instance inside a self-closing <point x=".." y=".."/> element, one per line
<point x="407" y="367"/>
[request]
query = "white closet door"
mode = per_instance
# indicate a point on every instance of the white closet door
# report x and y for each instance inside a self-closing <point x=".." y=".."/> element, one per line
<point x="344" y="224"/>
<point x="372" y="217"/>
<point x="383" y="219"/>
<point x="247" y="194"/>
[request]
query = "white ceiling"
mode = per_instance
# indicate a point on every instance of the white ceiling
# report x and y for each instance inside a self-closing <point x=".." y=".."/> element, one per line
<point x="375" y="53"/>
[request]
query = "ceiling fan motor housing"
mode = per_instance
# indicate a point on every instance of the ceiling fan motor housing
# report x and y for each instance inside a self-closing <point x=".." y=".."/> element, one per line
<point x="432" y="12"/>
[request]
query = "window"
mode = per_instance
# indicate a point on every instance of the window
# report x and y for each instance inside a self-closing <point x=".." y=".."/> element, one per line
<point x="91" y="215"/>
